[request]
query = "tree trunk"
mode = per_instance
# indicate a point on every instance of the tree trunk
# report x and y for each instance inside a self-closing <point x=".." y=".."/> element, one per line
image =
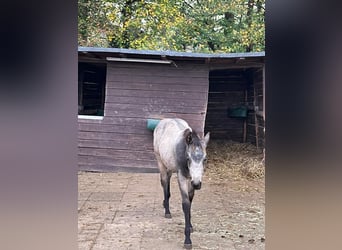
<point x="126" y="13"/>
<point x="249" y="20"/>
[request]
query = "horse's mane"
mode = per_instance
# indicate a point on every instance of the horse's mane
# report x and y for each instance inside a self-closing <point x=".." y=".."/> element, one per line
<point x="195" y="140"/>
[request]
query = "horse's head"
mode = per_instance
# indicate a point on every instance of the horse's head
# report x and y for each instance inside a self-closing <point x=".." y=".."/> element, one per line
<point x="196" y="156"/>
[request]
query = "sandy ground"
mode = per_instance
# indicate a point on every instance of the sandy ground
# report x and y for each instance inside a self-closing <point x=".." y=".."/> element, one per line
<point x="124" y="211"/>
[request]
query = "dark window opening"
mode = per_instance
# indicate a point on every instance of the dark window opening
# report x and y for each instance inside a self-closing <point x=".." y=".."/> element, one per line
<point x="91" y="88"/>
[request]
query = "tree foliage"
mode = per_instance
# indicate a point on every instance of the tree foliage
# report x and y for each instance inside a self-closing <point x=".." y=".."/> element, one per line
<point x="191" y="25"/>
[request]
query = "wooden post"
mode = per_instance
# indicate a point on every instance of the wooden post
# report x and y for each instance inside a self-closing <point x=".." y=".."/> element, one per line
<point x="263" y="94"/>
<point x="256" y="118"/>
<point x="245" y="122"/>
<point x="80" y="89"/>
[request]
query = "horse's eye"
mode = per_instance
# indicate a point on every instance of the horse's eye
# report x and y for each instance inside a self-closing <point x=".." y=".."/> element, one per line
<point x="205" y="160"/>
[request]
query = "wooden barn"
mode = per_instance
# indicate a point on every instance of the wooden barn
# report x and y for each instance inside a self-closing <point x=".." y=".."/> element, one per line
<point x="119" y="89"/>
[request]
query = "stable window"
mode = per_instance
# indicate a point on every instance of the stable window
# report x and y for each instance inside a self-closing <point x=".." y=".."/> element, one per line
<point x="91" y="88"/>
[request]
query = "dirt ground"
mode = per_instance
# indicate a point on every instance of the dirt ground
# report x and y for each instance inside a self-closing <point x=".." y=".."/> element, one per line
<point x="124" y="210"/>
<point x="243" y="219"/>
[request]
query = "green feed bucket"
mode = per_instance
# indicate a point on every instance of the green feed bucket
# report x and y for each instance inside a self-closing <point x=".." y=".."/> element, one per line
<point x="152" y="123"/>
<point x="238" y="112"/>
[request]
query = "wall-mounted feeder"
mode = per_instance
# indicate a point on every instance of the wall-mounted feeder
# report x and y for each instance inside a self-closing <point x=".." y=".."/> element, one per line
<point x="152" y="123"/>
<point x="239" y="112"/>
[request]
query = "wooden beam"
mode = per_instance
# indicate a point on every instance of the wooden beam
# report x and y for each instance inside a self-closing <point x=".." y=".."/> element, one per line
<point x="245" y="122"/>
<point x="263" y="92"/>
<point x="256" y="119"/>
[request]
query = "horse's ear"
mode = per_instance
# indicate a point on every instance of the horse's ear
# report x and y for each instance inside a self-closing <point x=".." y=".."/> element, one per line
<point x="206" y="138"/>
<point x="188" y="136"/>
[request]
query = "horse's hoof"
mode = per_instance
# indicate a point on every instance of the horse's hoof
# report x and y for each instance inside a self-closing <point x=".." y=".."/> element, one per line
<point x="188" y="246"/>
<point x="168" y="216"/>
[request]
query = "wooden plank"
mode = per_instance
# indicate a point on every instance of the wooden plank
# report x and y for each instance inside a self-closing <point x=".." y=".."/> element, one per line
<point x="157" y="87"/>
<point x="113" y="136"/>
<point x="189" y="117"/>
<point x="116" y="168"/>
<point x="109" y="160"/>
<point x="137" y="122"/>
<point x="104" y="160"/>
<point x="157" y="105"/>
<point x="181" y="65"/>
<point x="115" y="154"/>
<point x="112" y="93"/>
<point x="93" y="121"/>
<point x="124" y="129"/>
<point x="158" y="70"/>
<point x="146" y="109"/>
<point x="147" y="72"/>
<point x="139" y="78"/>
<point x="167" y="113"/>
<point x="113" y="121"/>
<point x="115" y="144"/>
<point x="119" y="99"/>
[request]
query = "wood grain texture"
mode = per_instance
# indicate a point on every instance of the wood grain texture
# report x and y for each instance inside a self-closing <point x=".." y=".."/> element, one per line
<point x="138" y="91"/>
<point x="134" y="93"/>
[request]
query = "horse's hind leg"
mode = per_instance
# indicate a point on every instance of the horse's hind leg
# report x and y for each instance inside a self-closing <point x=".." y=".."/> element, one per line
<point x="165" y="182"/>
<point x="165" y="177"/>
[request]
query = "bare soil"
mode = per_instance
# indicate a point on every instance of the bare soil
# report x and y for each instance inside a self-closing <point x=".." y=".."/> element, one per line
<point x="124" y="210"/>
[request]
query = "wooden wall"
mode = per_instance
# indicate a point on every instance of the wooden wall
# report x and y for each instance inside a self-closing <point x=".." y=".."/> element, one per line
<point x="255" y="119"/>
<point x="229" y="88"/>
<point x="134" y="93"/>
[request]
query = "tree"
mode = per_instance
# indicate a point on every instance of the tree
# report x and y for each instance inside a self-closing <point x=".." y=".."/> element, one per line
<point x="195" y="25"/>
<point x="93" y="25"/>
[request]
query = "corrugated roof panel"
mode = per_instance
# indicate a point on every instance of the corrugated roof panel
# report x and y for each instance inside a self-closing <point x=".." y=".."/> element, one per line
<point x="170" y="53"/>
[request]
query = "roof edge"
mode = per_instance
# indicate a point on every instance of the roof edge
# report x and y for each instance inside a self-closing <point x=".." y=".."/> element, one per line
<point x="170" y="53"/>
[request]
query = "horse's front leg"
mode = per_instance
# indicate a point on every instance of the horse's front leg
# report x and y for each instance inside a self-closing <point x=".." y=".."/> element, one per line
<point x="191" y="196"/>
<point x="187" y="195"/>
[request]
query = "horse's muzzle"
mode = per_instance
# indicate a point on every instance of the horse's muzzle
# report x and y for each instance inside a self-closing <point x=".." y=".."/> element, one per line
<point x="196" y="186"/>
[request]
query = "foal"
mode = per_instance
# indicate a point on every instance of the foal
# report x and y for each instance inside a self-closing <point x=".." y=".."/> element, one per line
<point x="179" y="149"/>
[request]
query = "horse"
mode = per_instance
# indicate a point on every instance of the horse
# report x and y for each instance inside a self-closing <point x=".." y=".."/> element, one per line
<point x="178" y="148"/>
